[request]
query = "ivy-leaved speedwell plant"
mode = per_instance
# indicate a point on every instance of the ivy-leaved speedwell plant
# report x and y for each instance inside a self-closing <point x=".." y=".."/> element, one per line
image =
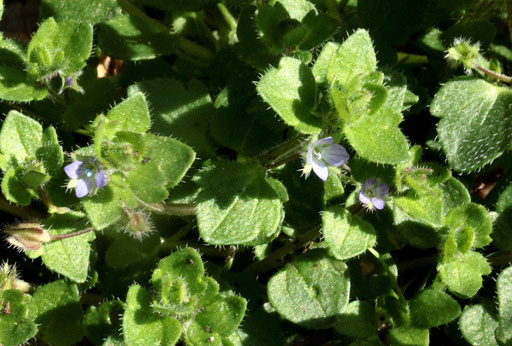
<point x="257" y="172"/>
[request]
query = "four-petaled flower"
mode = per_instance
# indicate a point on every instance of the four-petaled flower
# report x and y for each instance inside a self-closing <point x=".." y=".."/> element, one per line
<point x="324" y="153"/>
<point x="372" y="194"/>
<point x="86" y="176"/>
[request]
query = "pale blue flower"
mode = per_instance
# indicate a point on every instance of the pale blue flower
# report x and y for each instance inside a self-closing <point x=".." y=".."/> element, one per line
<point x="324" y="153"/>
<point x="372" y="194"/>
<point x="86" y="176"/>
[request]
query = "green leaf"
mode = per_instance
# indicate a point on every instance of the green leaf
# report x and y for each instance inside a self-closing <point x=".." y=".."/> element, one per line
<point x="271" y="21"/>
<point x="59" y="313"/>
<point x="454" y="194"/>
<point x="50" y="152"/>
<point x="83" y="11"/>
<point x="478" y="324"/>
<point x="173" y="157"/>
<point x="223" y="316"/>
<point x="15" y="85"/>
<point x="474" y="216"/>
<point x="291" y="91"/>
<point x="297" y="9"/>
<point x="59" y="47"/>
<point x="14" y="190"/>
<point x="104" y="321"/>
<point x="131" y="115"/>
<point x="147" y="182"/>
<point x="425" y="208"/>
<point x="432" y="308"/>
<point x="409" y="335"/>
<point x="179" y="281"/>
<point x="68" y="257"/>
<point x="130" y="37"/>
<point x="238" y="204"/>
<point x="20" y="137"/>
<point x="261" y="328"/>
<point x="346" y="235"/>
<point x="353" y="59"/>
<point x="106" y="207"/>
<point x="313" y="31"/>
<point x="504" y="291"/>
<point x="462" y="272"/>
<point x="179" y="111"/>
<point x="475" y="121"/>
<point x="141" y="326"/>
<point x="310" y="291"/>
<point x="376" y="138"/>
<point x="16" y="327"/>
<point x="358" y="320"/>
<point x="369" y="277"/>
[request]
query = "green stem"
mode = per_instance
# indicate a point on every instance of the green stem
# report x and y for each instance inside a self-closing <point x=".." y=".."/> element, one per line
<point x="398" y="291"/>
<point x="128" y="7"/>
<point x="275" y="259"/>
<point x="276" y="164"/>
<point x="175" y="209"/>
<point x="499" y="76"/>
<point x="20" y="211"/>
<point x="195" y="50"/>
<point x="228" y="17"/>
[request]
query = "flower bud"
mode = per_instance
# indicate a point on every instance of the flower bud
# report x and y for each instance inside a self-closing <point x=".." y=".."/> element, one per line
<point x="27" y="236"/>
<point x="138" y="224"/>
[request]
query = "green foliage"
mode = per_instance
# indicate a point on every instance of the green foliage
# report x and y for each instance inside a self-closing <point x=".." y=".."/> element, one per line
<point x="477" y="111"/>
<point x="16" y="327"/>
<point x="57" y="310"/>
<point x="290" y="90"/>
<point x="131" y="37"/>
<point x="346" y="235"/>
<point x="478" y="324"/>
<point x="163" y="167"/>
<point x="311" y="291"/>
<point x="83" y="11"/>
<point x="237" y="204"/>
<point x="68" y="257"/>
<point x="61" y="47"/>
<point x="504" y="330"/>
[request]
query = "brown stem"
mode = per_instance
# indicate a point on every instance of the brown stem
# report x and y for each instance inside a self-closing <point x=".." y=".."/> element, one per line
<point x="499" y="76"/>
<point x="71" y="235"/>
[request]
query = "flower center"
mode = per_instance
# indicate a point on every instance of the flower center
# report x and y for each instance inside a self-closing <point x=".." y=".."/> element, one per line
<point x="88" y="173"/>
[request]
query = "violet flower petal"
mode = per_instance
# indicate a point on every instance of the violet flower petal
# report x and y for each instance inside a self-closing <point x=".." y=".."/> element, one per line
<point x="382" y="190"/>
<point x="335" y="155"/>
<point x="378" y="203"/>
<point x="363" y="198"/>
<point x="83" y="187"/>
<point x="100" y="179"/>
<point x="73" y="170"/>
<point x="320" y="169"/>
<point x="369" y="184"/>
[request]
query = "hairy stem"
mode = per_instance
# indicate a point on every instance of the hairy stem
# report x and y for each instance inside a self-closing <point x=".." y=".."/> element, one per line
<point x="499" y="76"/>
<point x="71" y="235"/>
